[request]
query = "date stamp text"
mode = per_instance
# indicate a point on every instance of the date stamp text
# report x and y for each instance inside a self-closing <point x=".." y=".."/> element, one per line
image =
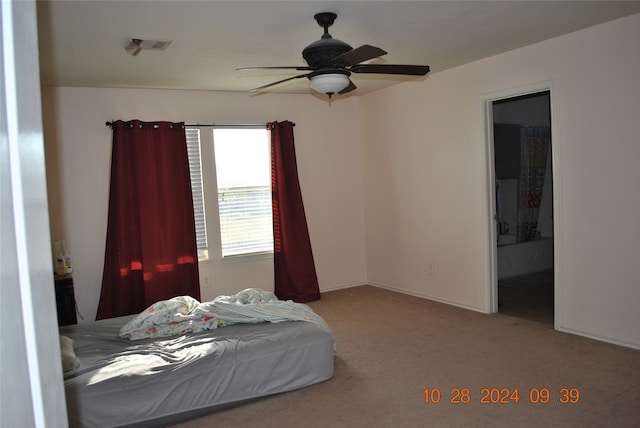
<point x="502" y="396"/>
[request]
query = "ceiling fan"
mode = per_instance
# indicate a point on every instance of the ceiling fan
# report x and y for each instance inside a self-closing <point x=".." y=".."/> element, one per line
<point x="331" y="62"/>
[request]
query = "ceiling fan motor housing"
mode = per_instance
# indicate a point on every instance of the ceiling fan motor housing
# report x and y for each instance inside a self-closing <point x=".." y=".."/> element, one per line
<point x="321" y="53"/>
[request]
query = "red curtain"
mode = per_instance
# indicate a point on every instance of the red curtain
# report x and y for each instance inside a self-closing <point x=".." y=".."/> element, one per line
<point x="295" y="272"/>
<point x="151" y="252"/>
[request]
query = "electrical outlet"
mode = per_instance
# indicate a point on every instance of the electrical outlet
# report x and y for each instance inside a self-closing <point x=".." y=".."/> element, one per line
<point x="431" y="269"/>
<point x="205" y="281"/>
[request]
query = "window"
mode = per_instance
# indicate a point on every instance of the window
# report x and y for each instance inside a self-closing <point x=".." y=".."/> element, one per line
<point x="243" y="172"/>
<point x="242" y="177"/>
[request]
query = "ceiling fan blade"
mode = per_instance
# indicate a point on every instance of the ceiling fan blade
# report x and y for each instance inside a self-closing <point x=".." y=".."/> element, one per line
<point x="349" y="88"/>
<point x="411" y="70"/>
<point x="357" y="55"/>
<point x="286" y="67"/>
<point x="278" y="82"/>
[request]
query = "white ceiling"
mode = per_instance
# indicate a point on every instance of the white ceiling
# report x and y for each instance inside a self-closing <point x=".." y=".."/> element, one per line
<point x="82" y="42"/>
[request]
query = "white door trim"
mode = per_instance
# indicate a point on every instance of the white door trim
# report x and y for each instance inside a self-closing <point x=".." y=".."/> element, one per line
<point x="491" y="289"/>
<point x="32" y="383"/>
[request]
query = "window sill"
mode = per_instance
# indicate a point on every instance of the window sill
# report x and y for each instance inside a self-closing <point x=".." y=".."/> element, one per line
<point x="247" y="257"/>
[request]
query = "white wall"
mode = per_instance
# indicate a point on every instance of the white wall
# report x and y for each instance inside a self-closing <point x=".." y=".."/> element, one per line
<point x="78" y="152"/>
<point x="425" y="178"/>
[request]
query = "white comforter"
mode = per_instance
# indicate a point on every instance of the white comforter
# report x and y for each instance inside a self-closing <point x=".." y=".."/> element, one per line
<point x="184" y="314"/>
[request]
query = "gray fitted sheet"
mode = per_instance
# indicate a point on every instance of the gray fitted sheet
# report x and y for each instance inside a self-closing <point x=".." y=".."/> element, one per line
<point x="153" y="382"/>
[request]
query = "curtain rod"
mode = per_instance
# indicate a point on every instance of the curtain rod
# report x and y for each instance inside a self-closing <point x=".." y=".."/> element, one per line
<point x="214" y="125"/>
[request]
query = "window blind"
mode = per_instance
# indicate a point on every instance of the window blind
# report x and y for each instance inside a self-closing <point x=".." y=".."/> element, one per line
<point x="245" y="220"/>
<point x="195" y="168"/>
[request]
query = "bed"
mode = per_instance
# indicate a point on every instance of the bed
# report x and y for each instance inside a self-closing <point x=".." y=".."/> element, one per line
<point x="155" y="381"/>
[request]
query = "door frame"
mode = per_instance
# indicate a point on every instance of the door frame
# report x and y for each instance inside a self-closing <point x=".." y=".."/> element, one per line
<point x="34" y="368"/>
<point x="491" y="289"/>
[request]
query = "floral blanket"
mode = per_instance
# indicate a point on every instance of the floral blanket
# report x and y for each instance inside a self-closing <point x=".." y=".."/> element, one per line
<point x="184" y="314"/>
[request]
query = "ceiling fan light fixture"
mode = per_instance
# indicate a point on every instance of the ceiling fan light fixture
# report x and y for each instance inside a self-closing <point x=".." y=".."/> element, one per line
<point x="329" y="83"/>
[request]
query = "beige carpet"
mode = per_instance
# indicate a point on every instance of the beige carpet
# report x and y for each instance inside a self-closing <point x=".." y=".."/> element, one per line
<point x="391" y="347"/>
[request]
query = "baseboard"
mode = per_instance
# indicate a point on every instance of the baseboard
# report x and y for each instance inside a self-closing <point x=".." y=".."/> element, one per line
<point x="599" y="338"/>
<point x="342" y="287"/>
<point x="424" y="296"/>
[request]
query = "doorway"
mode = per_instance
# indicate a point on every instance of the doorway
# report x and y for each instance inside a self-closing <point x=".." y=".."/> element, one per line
<point x="523" y="206"/>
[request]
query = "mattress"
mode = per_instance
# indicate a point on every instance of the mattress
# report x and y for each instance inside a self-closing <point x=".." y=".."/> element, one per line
<point x="153" y="382"/>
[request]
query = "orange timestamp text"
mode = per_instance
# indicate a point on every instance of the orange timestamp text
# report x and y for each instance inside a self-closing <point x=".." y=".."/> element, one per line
<point x="502" y="396"/>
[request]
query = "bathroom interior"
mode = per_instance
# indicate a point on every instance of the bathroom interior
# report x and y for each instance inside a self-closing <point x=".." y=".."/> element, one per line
<point x="524" y="206"/>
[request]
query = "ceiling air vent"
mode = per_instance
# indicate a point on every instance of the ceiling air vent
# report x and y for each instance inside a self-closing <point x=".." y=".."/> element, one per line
<point x="136" y="45"/>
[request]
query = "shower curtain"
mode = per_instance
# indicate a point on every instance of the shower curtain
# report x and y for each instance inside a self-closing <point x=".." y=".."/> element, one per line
<point x="534" y="143"/>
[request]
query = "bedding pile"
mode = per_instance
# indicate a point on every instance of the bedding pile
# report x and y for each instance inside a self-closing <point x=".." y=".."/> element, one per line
<point x="184" y="314"/>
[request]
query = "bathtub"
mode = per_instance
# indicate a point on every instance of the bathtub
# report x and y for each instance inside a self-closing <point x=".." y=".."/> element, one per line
<point x="506" y="240"/>
<point x="521" y="258"/>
